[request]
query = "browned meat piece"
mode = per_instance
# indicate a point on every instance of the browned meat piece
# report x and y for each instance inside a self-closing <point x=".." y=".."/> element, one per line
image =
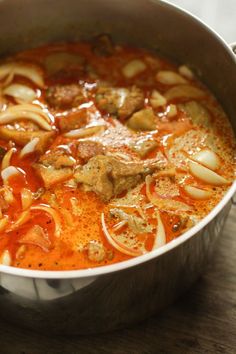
<point x="143" y="120"/>
<point x="57" y="158"/>
<point x="88" y="149"/>
<point x="121" y="102"/>
<point x="23" y="137"/>
<point x="73" y="120"/>
<point x="144" y="146"/>
<point x="54" y="167"/>
<point x="51" y="176"/>
<point x="108" y="176"/>
<point x="64" y="96"/>
<point x="133" y="102"/>
<point x="103" y="46"/>
<point x="36" y="236"/>
<point x="96" y="251"/>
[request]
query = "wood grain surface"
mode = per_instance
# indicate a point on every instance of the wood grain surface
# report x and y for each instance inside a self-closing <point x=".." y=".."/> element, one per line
<point x="203" y="321"/>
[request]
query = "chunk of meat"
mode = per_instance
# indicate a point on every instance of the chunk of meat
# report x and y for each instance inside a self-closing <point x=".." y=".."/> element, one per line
<point x="103" y="46"/>
<point x="88" y="149"/>
<point x="137" y="224"/>
<point x="52" y="176"/>
<point x="96" y="251"/>
<point x="143" y="120"/>
<point x="57" y="158"/>
<point x="109" y="176"/>
<point x="121" y="102"/>
<point x="36" y="236"/>
<point x="23" y="137"/>
<point x="65" y="96"/>
<point x="73" y="120"/>
<point x="55" y="167"/>
<point x="144" y="146"/>
<point x="133" y="102"/>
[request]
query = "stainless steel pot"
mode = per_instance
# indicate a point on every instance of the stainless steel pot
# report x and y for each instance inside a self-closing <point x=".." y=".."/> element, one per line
<point x="106" y="298"/>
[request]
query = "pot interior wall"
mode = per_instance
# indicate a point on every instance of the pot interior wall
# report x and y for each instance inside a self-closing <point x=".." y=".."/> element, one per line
<point x="147" y="23"/>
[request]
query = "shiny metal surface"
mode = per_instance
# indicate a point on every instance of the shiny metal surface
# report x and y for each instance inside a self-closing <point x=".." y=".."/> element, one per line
<point x="104" y="301"/>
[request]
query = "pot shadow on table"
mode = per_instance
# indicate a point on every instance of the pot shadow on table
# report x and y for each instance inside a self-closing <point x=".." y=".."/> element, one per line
<point x="202" y="321"/>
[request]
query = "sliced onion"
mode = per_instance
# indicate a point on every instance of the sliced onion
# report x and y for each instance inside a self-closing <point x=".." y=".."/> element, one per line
<point x="208" y="158"/>
<point x="8" y="79"/>
<point x="84" y="132"/>
<point x="67" y="216"/>
<point x="116" y="244"/>
<point x="197" y="193"/>
<point x="157" y="100"/>
<point x="165" y="204"/>
<point x="9" y="172"/>
<point x="160" y="239"/>
<point x="171" y="111"/>
<point x="3" y="223"/>
<point x="6" y="161"/>
<point x="23" y="218"/>
<point x="8" y="194"/>
<point x="6" y="258"/>
<point x="20" y="252"/>
<point x="119" y="225"/>
<point x="29" y="71"/>
<point x="206" y="175"/>
<point x="31" y="108"/>
<point x="26" y="198"/>
<point x="7" y="117"/>
<point x="184" y="91"/>
<point x="186" y="72"/>
<point x="168" y="77"/>
<point x="30" y="147"/>
<point x="133" y="68"/>
<point x="53" y="213"/>
<point x="21" y="92"/>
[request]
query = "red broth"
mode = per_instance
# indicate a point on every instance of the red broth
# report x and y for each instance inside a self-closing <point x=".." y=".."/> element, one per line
<point x="107" y="152"/>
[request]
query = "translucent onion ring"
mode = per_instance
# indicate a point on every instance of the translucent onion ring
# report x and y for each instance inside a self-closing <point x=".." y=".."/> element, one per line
<point x="30" y="147"/>
<point x="206" y="175"/>
<point x="31" y="72"/>
<point x="116" y="244"/>
<point x="3" y="223"/>
<point x="6" y="258"/>
<point x="8" y="117"/>
<point x="9" y="172"/>
<point x="160" y="239"/>
<point x="197" y="193"/>
<point x="84" y="132"/>
<point x="23" y="218"/>
<point x="6" y="161"/>
<point x="21" y="93"/>
<point x="165" y="204"/>
<point x="31" y="108"/>
<point x="53" y="213"/>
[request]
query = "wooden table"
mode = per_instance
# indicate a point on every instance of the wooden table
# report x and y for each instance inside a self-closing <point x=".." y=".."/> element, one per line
<point x="204" y="319"/>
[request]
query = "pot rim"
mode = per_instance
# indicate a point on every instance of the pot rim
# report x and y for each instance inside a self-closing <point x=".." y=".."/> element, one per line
<point x="102" y="270"/>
